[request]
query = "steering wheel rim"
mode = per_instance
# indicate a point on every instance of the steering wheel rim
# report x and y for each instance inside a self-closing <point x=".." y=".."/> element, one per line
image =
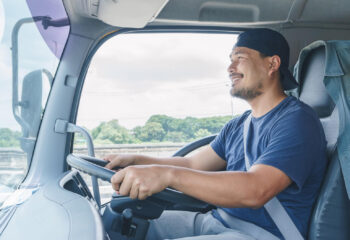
<point x="94" y="166"/>
<point x="194" y="145"/>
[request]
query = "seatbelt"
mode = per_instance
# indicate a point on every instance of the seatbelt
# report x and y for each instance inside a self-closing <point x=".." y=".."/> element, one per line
<point x="274" y="208"/>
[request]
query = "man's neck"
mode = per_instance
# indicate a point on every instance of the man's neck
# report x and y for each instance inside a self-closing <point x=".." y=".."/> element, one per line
<point x="265" y="102"/>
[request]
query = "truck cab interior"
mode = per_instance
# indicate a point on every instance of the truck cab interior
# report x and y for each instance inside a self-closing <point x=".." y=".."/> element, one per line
<point x="49" y="197"/>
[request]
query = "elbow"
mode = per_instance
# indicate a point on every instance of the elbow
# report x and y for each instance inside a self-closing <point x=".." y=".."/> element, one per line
<point x="253" y="200"/>
<point x="258" y="199"/>
<point x="256" y="204"/>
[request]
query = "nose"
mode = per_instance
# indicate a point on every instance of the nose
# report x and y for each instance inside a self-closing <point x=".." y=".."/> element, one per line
<point x="232" y="67"/>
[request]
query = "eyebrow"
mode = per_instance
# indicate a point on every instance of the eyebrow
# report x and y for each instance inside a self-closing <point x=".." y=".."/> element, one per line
<point x="238" y="52"/>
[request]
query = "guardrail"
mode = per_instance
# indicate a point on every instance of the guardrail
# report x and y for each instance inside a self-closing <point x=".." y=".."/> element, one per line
<point x="13" y="161"/>
<point x="148" y="149"/>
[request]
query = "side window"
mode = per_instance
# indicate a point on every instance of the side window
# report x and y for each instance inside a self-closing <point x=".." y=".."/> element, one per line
<point x="153" y="93"/>
<point x="29" y="57"/>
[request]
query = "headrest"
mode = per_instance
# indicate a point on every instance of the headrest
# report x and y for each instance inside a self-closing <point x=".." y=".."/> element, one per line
<point x="312" y="90"/>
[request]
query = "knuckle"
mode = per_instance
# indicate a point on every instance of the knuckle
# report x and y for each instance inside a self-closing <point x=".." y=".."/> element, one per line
<point x="137" y="182"/>
<point x="144" y="189"/>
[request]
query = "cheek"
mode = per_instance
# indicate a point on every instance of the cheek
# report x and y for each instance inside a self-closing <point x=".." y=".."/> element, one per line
<point x="261" y="69"/>
<point x="243" y="68"/>
<point x="264" y="67"/>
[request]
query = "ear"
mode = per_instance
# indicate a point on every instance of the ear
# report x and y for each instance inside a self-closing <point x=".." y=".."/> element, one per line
<point x="275" y="63"/>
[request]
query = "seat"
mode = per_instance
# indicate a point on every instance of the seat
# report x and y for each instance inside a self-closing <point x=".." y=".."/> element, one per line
<point x="330" y="218"/>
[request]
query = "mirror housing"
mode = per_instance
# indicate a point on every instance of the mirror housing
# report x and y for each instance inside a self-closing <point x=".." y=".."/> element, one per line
<point x="30" y="111"/>
<point x="30" y="104"/>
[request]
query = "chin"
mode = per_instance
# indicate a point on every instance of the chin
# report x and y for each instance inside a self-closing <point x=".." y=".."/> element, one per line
<point x="234" y="90"/>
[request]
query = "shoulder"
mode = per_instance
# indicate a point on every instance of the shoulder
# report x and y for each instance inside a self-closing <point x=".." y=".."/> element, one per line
<point x="232" y="128"/>
<point x="298" y="117"/>
<point x="236" y="122"/>
<point x="296" y="110"/>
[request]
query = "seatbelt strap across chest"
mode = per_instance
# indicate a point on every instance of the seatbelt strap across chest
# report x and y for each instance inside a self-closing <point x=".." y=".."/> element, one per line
<point x="274" y="208"/>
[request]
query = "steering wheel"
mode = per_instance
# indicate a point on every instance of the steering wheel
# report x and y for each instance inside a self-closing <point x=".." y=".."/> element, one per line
<point x="94" y="166"/>
<point x="168" y="197"/>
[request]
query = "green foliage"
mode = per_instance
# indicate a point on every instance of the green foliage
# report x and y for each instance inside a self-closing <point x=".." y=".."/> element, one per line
<point x="9" y="138"/>
<point x="151" y="132"/>
<point x="175" y="137"/>
<point x="112" y="132"/>
<point x="158" y="128"/>
<point x="201" y="133"/>
<point x="180" y="130"/>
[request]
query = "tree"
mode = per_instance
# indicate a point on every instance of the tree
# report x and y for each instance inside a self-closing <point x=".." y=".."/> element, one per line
<point x="9" y="138"/>
<point x="151" y="132"/>
<point x="201" y="133"/>
<point x="112" y="132"/>
<point x="175" y="137"/>
<point x="159" y="128"/>
<point x="213" y="124"/>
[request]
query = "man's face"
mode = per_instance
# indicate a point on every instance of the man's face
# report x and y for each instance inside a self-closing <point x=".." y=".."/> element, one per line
<point x="248" y="72"/>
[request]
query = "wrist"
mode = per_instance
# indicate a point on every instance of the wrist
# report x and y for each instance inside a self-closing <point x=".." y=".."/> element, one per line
<point x="171" y="176"/>
<point x="137" y="159"/>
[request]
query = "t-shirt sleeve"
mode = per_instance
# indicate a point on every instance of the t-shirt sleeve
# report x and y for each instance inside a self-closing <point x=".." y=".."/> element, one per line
<point x="294" y="142"/>
<point x="219" y="143"/>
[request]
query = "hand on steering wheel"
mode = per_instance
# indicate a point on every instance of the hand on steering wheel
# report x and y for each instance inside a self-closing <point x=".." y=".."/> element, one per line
<point x="94" y="166"/>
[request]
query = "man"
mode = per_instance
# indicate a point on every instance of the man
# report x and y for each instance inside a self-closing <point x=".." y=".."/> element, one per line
<point x="284" y="146"/>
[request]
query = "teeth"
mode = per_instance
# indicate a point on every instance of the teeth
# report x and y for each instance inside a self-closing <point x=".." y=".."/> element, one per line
<point x="235" y="77"/>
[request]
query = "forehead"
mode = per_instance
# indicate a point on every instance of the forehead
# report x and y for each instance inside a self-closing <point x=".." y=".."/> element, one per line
<point x="243" y="50"/>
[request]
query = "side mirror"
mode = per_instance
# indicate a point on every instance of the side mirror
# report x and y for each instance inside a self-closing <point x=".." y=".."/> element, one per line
<point x="30" y="107"/>
<point x="30" y="104"/>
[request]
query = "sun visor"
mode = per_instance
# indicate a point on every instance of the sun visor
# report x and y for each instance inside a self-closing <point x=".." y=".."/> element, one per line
<point x="124" y="13"/>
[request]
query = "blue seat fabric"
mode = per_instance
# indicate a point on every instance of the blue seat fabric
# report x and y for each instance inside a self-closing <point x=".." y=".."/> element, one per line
<point x="331" y="214"/>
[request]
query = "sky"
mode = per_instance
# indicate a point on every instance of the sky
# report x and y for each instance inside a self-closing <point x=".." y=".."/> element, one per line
<point x="34" y="55"/>
<point x="132" y="76"/>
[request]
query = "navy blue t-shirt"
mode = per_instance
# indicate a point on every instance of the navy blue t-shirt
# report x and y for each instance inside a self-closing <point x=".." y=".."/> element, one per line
<point x="290" y="137"/>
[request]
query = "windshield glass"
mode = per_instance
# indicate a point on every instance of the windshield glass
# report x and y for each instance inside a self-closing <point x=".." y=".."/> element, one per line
<point x="32" y="39"/>
<point x="159" y="92"/>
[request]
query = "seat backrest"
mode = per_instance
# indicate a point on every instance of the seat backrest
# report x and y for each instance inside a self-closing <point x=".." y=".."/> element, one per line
<point x="331" y="215"/>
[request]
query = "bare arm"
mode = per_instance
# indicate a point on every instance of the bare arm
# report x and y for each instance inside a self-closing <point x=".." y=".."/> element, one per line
<point x="228" y="189"/>
<point x="232" y="189"/>
<point x="205" y="159"/>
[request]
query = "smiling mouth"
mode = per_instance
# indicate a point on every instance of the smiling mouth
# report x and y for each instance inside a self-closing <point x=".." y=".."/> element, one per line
<point x="235" y="77"/>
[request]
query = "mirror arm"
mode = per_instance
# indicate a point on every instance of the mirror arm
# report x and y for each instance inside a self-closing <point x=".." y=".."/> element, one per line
<point x="15" y="102"/>
<point x="46" y="22"/>
<point x="63" y="126"/>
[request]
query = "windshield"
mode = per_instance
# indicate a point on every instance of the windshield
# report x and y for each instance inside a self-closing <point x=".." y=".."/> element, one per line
<point x="159" y="92"/>
<point x="32" y="39"/>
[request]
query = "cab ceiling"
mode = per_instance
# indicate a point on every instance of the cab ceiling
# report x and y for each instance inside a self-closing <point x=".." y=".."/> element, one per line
<point x="255" y="12"/>
<point x="300" y="21"/>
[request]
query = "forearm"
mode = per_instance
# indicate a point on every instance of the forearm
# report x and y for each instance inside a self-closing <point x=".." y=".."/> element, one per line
<point x="206" y="160"/>
<point x="173" y="161"/>
<point x="226" y="189"/>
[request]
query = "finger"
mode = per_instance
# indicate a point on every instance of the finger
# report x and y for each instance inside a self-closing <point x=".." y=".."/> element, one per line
<point x="134" y="191"/>
<point x="126" y="185"/>
<point x="117" y="179"/>
<point x="108" y="165"/>
<point x="143" y="193"/>
<point x="108" y="158"/>
<point x="112" y="164"/>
